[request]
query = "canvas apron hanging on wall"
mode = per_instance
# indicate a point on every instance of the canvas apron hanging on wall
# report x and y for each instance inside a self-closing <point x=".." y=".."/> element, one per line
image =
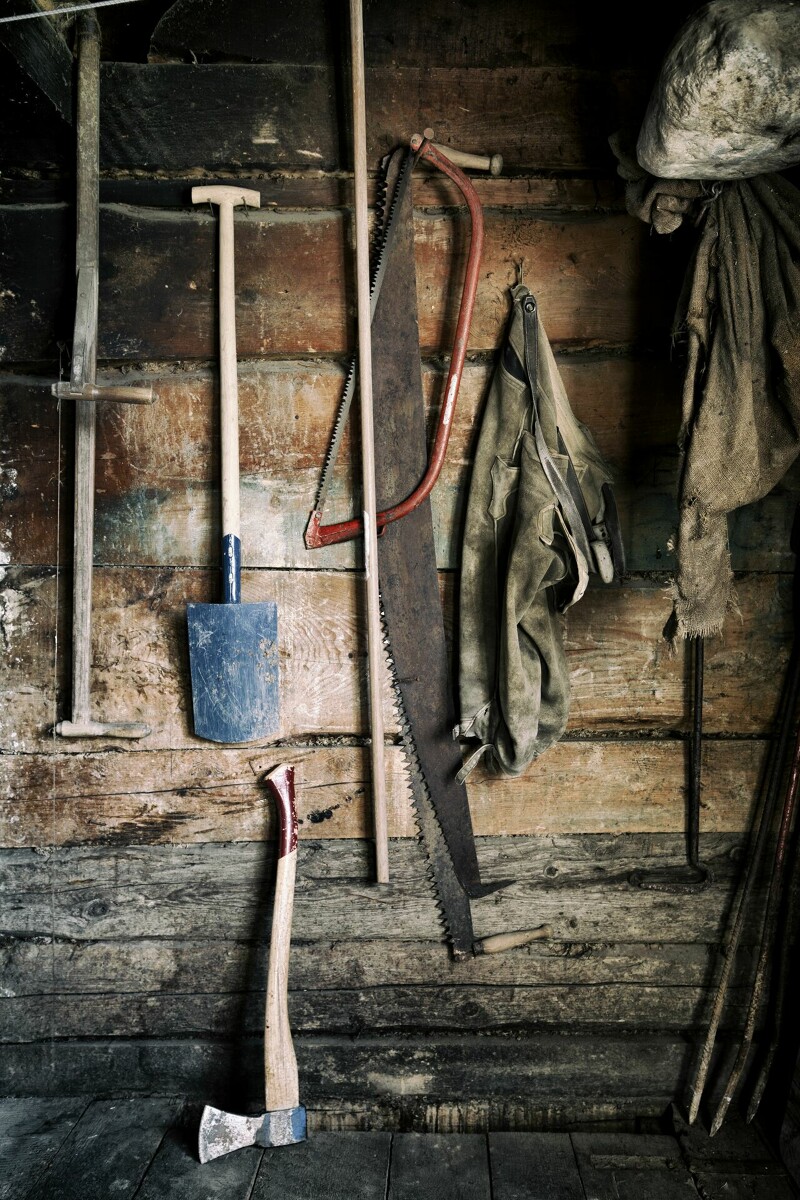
<point x="540" y="519"/>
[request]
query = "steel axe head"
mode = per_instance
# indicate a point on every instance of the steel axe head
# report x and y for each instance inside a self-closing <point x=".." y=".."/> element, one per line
<point x="221" y="1132"/>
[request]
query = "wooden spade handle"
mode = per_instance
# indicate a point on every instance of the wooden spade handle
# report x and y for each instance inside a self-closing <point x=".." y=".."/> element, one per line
<point x="280" y="1065"/>
<point x="227" y="198"/>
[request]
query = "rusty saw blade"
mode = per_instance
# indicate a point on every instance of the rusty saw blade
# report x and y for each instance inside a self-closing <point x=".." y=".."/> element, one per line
<point x="409" y="586"/>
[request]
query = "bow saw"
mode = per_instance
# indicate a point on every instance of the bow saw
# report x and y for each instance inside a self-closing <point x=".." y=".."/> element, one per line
<point x="409" y="582"/>
<point x="317" y="534"/>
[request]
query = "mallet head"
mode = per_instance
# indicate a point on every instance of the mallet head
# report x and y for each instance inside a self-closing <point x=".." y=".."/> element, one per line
<point x="221" y="1132"/>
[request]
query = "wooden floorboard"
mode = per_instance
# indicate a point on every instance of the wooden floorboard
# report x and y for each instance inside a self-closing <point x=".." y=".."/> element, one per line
<point x="32" y="1131"/>
<point x="427" y="1166"/>
<point x="146" y="1149"/>
<point x="526" y="1166"/>
<point x="620" y="1166"/>
<point x="736" y="1164"/>
<point x="177" y="1174"/>
<point x="108" y="1151"/>
<point x="338" y="1166"/>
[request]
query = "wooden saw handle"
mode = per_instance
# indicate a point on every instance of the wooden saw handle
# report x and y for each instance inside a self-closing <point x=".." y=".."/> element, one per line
<point x="493" y="163"/>
<point x="280" y="1065"/>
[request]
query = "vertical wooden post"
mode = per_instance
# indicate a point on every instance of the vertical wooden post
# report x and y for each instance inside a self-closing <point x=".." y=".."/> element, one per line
<point x="84" y="364"/>
<point x="374" y="636"/>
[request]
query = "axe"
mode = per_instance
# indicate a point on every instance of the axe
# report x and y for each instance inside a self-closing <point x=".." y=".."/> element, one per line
<point x="284" y="1120"/>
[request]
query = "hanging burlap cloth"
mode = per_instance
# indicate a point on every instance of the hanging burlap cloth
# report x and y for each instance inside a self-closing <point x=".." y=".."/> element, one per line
<point x="740" y="430"/>
<point x="739" y="314"/>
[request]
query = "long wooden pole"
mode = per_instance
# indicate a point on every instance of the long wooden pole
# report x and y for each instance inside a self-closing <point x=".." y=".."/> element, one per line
<point x="374" y="636"/>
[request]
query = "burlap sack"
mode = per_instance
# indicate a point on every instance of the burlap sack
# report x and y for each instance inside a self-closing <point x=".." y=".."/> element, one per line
<point x="740" y="314"/>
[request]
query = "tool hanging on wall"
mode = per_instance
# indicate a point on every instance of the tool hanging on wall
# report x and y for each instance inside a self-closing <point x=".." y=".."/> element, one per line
<point x="762" y="832"/>
<point x="83" y="389"/>
<point x="409" y="581"/>
<point x="284" y="1120"/>
<point x="233" y="647"/>
<point x="317" y="534"/>
<point x="691" y="876"/>
<point x="540" y="518"/>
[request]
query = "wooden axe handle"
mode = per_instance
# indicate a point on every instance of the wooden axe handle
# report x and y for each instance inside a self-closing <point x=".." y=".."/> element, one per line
<point x="280" y="1065"/>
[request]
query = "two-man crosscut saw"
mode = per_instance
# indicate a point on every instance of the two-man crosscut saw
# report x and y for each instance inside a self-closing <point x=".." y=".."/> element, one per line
<point x="411" y="606"/>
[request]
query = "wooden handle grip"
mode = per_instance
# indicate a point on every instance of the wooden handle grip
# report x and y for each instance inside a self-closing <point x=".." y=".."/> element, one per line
<point x="493" y="163"/>
<point x="227" y="198"/>
<point x="281" y="1084"/>
<point x="498" y="942"/>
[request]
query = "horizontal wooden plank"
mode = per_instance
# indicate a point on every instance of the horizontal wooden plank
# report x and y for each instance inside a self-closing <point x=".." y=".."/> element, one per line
<point x="277" y="114"/>
<point x="451" y="1084"/>
<point x="255" y="115"/>
<point x="622" y="675"/>
<point x="294" y="281"/>
<point x="543" y="34"/>
<point x="157" y="494"/>
<point x="578" y="885"/>
<point x="309" y="189"/>
<point x="201" y="795"/>
<point x="382" y="1010"/>
<point x="157" y="498"/>
<point x="43" y="966"/>
<point x="157" y="485"/>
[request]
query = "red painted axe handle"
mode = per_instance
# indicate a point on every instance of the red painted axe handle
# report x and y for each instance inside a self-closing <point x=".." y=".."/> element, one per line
<point x="280" y="1065"/>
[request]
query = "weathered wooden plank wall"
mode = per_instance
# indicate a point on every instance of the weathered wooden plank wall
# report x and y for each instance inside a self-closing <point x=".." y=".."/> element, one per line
<point x="137" y="877"/>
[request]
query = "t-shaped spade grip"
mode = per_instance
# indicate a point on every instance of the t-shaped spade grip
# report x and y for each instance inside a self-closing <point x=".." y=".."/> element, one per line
<point x="224" y="194"/>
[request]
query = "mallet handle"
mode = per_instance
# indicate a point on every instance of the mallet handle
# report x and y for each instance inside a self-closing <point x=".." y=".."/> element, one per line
<point x="280" y="1065"/>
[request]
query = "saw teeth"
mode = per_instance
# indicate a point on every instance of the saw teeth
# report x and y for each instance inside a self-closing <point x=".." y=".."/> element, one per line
<point x="418" y="786"/>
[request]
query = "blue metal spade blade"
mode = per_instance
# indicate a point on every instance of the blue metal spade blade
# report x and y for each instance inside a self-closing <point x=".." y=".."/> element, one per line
<point x="233" y="654"/>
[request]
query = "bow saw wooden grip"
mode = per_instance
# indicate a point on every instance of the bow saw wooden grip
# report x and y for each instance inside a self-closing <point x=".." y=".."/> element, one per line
<point x="493" y="163"/>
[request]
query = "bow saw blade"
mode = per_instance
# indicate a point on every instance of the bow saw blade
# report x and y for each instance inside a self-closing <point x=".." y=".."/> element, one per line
<point x="394" y="180"/>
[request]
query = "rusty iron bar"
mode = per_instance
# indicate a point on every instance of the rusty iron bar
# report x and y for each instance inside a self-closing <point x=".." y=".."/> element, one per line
<point x="774" y="899"/>
<point x="690" y="876"/>
<point x="763" y="820"/>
